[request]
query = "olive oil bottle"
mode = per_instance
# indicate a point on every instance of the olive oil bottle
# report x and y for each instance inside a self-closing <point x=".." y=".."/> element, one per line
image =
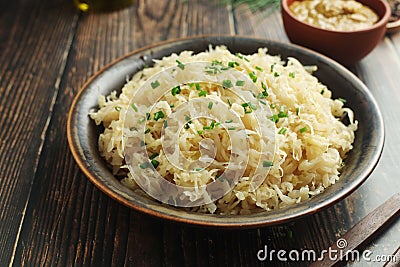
<point x="101" y="5"/>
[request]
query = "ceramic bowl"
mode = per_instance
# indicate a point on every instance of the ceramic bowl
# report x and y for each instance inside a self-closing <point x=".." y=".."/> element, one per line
<point x="347" y="47"/>
<point x="83" y="133"/>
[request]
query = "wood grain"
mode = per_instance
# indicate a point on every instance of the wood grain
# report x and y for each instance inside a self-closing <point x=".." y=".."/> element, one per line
<point x="28" y="90"/>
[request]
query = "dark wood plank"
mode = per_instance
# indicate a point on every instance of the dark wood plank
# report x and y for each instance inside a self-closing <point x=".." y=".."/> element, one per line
<point x="364" y="230"/>
<point x="28" y="89"/>
<point x="68" y="221"/>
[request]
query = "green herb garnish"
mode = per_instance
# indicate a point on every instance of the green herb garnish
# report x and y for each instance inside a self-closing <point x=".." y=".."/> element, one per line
<point x="155" y="154"/>
<point x="176" y="90"/>
<point x="267" y="164"/>
<point x="180" y="65"/>
<point x="282" y="131"/>
<point x="253" y="76"/>
<point x="158" y="115"/>
<point x="239" y="83"/>
<point x="227" y="84"/>
<point x="232" y="64"/>
<point x="203" y="93"/>
<point x="155" y="84"/>
<point x="134" y="107"/>
<point x="304" y="129"/>
<point x="155" y="163"/>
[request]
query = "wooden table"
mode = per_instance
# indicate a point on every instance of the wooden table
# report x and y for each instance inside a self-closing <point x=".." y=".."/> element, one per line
<point x="51" y="215"/>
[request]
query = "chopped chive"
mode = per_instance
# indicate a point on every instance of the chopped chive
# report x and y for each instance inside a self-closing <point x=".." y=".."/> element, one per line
<point x="267" y="164"/>
<point x="171" y="105"/>
<point x="198" y="88"/>
<point x="210" y="104"/>
<point x="322" y="91"/>
<point x="147" y="116"/>
<point x="207" y="128"/>
<point x="203" y="93"/>
<point x="304" y="129"/>
<point x="145" y="165"/>
<point x="200" y="132"/>
<point x="180" y="65"/>
<point x="158" y="115"/>
<point x="216" y="62"/>
<point x="155" y="154"/>
<point x="263" y="102"/>
<point x="229" y="102"/>
<point x="165" y="124"/>
<point x="155" y="84"/>
<point x="292" y="74"/>
<point x="259" y="68"/>
<point x="118" y="108"/>
<point x="155" y="163"/>
<point x="282" y="131"/>
<point x="187" y="118"/>
<point x="253" y="76"/>
<point x="147" y="130"/>
<point x="232" y="64"/>
<point x="228" y="121"/>
<point x="142" y="119"/>
<point x="282" y="113"/>
<point x="239" y="83"/>
<point x="276" y="74"/>
<point x="242" y="57"/>
<point x="134" y="107"/>
<point x="187" y="126"/>
<point x="274" y="118"/>
<point x="262" y="95"/>
<point x="342" y="164"/>
<point x="297" y="111"/>
<point x="231" y="128"/>
<point x="342" y="100"/>
<point x="227" y="83"/>
<point x="252" y="106"/>
<point x="176" y="90"/>
<point x="272" y="67"/>
<point x="272" y="106"/>
<point x="198" y="169"/>
<point x="264" y="86"/>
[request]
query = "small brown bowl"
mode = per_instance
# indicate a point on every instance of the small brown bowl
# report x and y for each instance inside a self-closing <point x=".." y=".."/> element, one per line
<point x="346" y="47"/>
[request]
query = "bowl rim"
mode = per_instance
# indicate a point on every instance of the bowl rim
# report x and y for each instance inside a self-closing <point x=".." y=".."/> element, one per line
<point x="383" y="21"/>
<point x="76" y="149"/>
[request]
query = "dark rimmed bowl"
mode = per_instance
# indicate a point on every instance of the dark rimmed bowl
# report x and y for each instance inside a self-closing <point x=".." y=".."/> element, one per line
<point x="368" y="145"/>
<point x="347" y="47"/>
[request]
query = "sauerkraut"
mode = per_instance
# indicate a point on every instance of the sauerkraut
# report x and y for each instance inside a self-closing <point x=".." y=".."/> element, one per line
<point x="310" y="139"/>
